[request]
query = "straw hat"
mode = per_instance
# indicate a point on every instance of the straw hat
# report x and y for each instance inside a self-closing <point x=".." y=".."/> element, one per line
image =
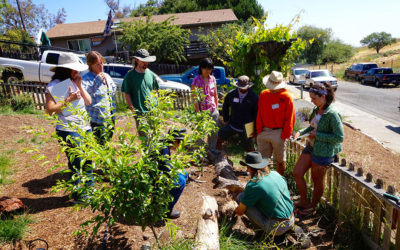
<point x="274" y="81"/>
<point x="69" y="61"/>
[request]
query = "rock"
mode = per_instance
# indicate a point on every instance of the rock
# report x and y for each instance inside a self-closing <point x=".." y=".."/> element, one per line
<point x="8" y="205"/>
<point x="228" y="209"/>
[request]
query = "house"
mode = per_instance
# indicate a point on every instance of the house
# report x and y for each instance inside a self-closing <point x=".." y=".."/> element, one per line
<point x="87" y="36"/>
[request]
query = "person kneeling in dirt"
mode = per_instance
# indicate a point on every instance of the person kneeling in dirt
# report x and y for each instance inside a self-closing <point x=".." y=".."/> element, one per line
<point x="266" y="198"/>
<point x="180" y="181"/>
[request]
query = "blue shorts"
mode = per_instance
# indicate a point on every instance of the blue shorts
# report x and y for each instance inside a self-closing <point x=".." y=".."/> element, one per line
<point x="323" y="161"/>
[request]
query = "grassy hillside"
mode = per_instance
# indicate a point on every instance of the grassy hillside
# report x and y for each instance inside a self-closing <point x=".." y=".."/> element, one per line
<point x="389" y="56"/>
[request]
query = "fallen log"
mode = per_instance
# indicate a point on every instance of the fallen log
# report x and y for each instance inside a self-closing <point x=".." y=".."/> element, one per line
<point x="233" y="186"/>
<point x="224" y="169"/>
<point x="207" y="230"/>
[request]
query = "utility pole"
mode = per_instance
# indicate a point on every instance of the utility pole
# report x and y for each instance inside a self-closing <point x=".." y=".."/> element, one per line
<point x="20" y="14"/>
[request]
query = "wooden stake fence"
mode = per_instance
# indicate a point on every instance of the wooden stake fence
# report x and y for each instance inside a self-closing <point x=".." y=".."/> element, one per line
<point x="37" y="91"/>
<point x="352" y="194"/>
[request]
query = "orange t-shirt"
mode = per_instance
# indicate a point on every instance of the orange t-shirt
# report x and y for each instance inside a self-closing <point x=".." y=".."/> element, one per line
<point x="276" y="110"/>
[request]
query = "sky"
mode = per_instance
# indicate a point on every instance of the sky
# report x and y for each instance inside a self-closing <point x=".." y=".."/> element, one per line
<point x="350" y="20"/>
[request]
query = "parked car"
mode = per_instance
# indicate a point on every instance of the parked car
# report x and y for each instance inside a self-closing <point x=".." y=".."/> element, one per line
<point x="320" y="77"/>
<point x="187" y="76"/>
<point x="31" y="70"/>
<point x="118" y="71"/>
<point x="380" y="76"/>
<point x="297" y="76"/>
<point x="356" y="70"/>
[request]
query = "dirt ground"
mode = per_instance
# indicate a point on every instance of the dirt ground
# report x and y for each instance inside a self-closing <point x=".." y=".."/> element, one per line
<point x="56" y="220"/>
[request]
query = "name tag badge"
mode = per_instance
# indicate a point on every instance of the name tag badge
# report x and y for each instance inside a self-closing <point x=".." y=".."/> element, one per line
<point x="275" y="106"/>
<point x="235" y="99"/>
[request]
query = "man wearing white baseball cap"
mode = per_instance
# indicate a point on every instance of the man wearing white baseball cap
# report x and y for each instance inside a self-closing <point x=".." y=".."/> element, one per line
<point x="275" y="119"/>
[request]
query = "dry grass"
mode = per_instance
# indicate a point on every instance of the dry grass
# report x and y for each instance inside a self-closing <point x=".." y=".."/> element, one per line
<point x="389" y="57"/>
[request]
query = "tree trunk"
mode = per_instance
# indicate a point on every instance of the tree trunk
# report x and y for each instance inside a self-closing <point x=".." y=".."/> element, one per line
<point x="231" y="185"/>
<point x="224" y="168"/>
<point x="207" y="229"/>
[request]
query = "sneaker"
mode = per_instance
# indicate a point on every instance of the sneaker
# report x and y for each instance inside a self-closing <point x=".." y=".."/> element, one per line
<point x="174" y="214"/>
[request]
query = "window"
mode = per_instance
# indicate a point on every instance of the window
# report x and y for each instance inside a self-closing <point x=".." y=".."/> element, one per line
<point x="52" y="58"/>
<point x="370" y="66"/>
<point x="79" y="44"/>
<point x="217" y="74"/>
<point x="115" y="71"/>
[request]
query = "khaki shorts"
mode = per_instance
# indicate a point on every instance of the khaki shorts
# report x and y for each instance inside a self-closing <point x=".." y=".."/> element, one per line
<point x="269" y="143"/>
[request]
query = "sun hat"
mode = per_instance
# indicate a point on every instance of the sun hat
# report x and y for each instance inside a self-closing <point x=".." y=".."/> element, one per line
<point x="243" y="82"/>
<point x="255" y="160"/>
<point x="144" y="56"/>
<point x="274" y="81"/>
<point x="69" y="61"/>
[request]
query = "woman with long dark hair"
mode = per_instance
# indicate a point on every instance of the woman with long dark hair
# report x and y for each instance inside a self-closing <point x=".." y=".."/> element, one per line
<point x="66" y="97"/>
<point x="208" y="85"/>
<point x="325" y="141"/>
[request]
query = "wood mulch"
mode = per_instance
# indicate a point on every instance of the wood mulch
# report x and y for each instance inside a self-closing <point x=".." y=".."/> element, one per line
<point x="56" y="220"/>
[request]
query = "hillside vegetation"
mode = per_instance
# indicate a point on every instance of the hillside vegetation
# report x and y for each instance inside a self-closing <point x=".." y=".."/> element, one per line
<point x="389" y="56"/>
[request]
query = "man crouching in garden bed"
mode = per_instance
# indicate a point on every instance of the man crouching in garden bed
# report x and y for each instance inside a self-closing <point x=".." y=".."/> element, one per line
<point x="266" y="198"/>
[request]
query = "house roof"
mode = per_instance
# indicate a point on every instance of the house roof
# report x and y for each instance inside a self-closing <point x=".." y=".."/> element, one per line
<point x="197" y="18"/>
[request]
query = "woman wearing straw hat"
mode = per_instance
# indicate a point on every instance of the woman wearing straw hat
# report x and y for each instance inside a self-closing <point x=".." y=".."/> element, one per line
<point x="275" y="119"/>
<point x="64" y="93"/>
<point x="266" y="198"/>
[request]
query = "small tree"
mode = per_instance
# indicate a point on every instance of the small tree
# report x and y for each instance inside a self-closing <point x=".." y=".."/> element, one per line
<point x="378" y="40"/>
<point x="215" y="40"/>
<point x="313" y="51"/>
<point x="131" y="187"/>
<point x="337" y="52"/>
<point x="163" y="39"/>
<point x="256" y="62"/>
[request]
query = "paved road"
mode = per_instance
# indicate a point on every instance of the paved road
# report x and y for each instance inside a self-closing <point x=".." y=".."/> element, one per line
<point x="381" y="102"/>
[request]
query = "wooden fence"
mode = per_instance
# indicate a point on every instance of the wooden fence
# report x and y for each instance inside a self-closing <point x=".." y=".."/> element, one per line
<point x="37" y="91"/>
<point x="357" y="196"/>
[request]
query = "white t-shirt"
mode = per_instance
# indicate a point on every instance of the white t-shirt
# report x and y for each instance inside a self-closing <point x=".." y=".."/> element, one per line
<point x="67" y="119"/>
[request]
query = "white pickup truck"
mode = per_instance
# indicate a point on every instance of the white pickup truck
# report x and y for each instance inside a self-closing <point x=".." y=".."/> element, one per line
<point x="31" y="71"/>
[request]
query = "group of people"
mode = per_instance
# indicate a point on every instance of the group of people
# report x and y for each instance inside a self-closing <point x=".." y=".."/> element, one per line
<point x="264" y="122"/>
<point x="271" y="115"/>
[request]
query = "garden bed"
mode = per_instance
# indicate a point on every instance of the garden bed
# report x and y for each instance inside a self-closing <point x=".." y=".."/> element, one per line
<point x="55" y="220"/>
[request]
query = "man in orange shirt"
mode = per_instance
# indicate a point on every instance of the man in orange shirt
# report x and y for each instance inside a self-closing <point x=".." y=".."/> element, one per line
<point x="275" y="119"/>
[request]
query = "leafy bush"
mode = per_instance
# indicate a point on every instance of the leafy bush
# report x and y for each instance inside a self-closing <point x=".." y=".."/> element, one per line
<point x="13" y="229"/>
<point x="136" y="190"/>
<point x="22" y="102"/>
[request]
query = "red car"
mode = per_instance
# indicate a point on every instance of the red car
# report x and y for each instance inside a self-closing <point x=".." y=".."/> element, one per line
<point x="356" y="70"/>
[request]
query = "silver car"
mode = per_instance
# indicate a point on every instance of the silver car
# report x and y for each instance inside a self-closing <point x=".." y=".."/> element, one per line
<point x="118" y="71"/>
<point x="297" y="76"/>
<point x="320" y="77"/>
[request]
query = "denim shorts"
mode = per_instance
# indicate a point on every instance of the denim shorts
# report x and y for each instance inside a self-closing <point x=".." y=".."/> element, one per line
<point x="323" y="161"/>
<point x="308" y="149"/>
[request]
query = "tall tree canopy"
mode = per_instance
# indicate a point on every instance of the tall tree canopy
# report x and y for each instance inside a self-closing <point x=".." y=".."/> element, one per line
<point x="378" y="40"/>
<point x="320" y="38"/>
<point x="164" y="40"/>
<point x="243" y="9"/>
<point x="119" y="12"/>
<point x="35" y="17"/>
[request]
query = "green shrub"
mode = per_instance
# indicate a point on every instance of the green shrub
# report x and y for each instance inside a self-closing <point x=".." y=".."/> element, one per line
<point x="5" y="170"/>
<point x="12" y="230"/>
<point x="22" y="102"/>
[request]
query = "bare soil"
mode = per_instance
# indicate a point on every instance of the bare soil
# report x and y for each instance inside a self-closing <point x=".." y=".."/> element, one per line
<point x="56" y="220"/>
